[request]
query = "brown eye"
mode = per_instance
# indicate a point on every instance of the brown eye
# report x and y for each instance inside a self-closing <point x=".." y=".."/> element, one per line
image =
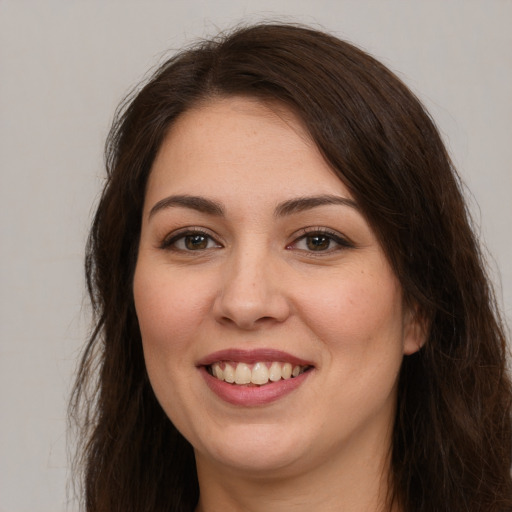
<point x="318" y="242"/>
<point x="190" y="241"/>
<point x="196" y="242"/>
<point x="321" y="241"/>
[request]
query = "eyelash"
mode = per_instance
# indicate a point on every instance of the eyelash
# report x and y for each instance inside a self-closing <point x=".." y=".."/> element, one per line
<point x="332" y="236"/>
<point x="169" y="243"/>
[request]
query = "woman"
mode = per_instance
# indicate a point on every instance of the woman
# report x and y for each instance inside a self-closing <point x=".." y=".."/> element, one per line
<point x="291" y="308"/>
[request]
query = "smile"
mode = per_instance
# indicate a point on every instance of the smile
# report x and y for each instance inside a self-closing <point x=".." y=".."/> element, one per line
<point x="253" y="378"/>
<point x="257" y="374"/>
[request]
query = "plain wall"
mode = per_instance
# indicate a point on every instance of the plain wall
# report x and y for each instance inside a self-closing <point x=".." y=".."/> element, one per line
<point x="64" y="66"/>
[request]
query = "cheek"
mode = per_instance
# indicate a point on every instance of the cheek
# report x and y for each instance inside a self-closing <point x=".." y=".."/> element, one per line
<point x="356" y="310"/>
<point x="170" y="310"/>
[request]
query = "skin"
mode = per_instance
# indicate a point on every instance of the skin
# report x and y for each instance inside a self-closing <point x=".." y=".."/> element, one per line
<point x="256" y="282"/>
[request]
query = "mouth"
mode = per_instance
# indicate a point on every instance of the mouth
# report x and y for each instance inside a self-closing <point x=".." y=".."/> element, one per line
<point x="253" y="378"/>
<point x="260" y="373"/>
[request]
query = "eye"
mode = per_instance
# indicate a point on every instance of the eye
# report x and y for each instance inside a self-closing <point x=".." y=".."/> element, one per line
<point x="190" y="241"/>
<point x="320" y="240"/>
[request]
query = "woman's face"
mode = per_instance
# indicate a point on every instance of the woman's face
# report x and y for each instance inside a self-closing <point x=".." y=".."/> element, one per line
<point x="255" y="262"/>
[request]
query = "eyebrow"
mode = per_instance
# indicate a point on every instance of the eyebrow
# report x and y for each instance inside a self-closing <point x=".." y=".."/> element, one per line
<point x="201" y="204"/>
<point x="210" y="207"/>
<point x="301" y="204"/>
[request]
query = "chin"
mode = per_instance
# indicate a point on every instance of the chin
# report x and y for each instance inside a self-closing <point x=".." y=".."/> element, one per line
<point x="255" y="449"/>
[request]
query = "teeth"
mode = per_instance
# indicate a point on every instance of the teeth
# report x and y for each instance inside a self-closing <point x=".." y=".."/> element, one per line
<point x="229" y="373"/>
<point x="275" y="372"/>
<point x="260" y="373"/>
<point x="217" y="371"/>
<point x="242" y="374"/>
<point x="286" y="372"/>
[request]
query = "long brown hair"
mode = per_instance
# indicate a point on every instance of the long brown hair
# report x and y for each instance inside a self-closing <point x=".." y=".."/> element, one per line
<point x="452" y="439"/>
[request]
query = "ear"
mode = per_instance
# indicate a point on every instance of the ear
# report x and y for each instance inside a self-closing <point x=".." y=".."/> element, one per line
<point x="415" y="330"/>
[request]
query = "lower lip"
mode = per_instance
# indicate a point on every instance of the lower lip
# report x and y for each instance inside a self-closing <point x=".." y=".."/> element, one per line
<point x="252" y="396"/>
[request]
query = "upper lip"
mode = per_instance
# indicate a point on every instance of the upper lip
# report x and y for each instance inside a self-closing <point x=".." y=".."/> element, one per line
<point x="252" y="356"/>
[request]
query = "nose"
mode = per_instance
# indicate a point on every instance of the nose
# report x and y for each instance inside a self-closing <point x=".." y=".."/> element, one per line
<point x="252" y="292"/>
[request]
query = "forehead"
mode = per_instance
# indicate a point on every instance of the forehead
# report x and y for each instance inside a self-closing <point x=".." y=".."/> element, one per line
<point x="240" y="146"/>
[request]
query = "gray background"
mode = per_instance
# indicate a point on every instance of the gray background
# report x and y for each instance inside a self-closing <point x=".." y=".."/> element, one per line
<point x="64" y="66"/>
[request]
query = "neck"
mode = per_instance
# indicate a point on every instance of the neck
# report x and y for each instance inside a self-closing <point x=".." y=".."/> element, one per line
<point x="360" y="484"/>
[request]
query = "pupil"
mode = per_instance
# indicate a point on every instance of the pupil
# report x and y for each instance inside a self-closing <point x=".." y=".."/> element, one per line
<point x="318" y="242"/>
<point x="196" y="242"/>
